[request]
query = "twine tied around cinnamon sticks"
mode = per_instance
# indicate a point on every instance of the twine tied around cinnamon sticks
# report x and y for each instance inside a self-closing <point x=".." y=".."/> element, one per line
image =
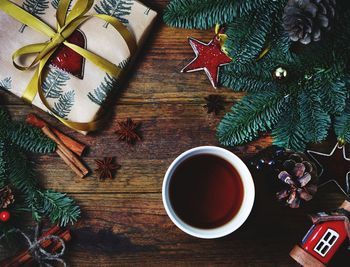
<point x="37" y="251"/>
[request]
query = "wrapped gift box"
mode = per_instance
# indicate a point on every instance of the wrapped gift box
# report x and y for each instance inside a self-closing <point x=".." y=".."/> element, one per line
<point x="78" y="93"/>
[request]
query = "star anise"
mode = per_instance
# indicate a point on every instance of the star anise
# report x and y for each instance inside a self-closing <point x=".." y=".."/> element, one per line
<point x="106" y="168"/>
<point x="128" y="131"/>
<point x="215" y="103"/>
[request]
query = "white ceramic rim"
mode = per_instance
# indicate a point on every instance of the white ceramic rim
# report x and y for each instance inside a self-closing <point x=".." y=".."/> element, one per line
<point x="248" y="195"/>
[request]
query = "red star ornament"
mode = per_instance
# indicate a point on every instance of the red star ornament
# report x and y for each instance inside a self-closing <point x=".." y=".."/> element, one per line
<point x="335" y="167"/>
<point x="209" y="57"/>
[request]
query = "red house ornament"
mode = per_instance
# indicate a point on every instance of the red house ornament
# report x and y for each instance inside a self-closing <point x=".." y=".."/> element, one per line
<point x="323" y="239"/>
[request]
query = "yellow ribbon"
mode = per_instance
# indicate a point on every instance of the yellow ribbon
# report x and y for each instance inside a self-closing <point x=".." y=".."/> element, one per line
<point x="223" y="37"/>
<point x="66" y="25"/>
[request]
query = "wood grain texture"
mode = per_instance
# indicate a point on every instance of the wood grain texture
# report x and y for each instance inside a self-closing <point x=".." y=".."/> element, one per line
<point x="123" y="222"/>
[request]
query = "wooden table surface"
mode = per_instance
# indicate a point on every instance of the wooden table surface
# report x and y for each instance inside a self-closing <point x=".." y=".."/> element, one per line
<point x="123" y="221"/>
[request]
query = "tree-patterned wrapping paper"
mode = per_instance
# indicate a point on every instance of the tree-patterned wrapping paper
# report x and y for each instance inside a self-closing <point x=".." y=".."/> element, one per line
<point x="70" y="97"/>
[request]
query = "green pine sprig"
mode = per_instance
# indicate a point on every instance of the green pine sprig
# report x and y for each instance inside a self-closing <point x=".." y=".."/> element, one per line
<point x="288" y="131"/>
<point x="18" y="172"/>
<point x="342" y="124"/>
<point x="56" y="206"/>
<point x="244" y="44"/>
<point x="29" y="138"/>
<point x="64" y="104"/>
<point x="203" y="14"/>
<point x="100" y="94"/>
<point x="54" y="82"/>
<point x="250" y="116"/>
<point x="3" y="167"/>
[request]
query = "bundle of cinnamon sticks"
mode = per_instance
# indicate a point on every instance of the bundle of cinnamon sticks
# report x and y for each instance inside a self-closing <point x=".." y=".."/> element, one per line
<point x="25" y="257"/>
<point x="67" y="148"/>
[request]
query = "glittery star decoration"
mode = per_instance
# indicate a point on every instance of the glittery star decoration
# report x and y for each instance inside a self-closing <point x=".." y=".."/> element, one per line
<point x="335" y="167"/>
<point x="209" y="57"/>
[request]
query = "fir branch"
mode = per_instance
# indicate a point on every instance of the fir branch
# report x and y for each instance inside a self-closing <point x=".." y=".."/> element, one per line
<point x="244" y="44"/>
<point x="334" y="95"/>
<point x="124" y="63"/>
<point x="20" y="171"/>
<point x="288" y="132"/>
<point x="247" y="6"/>
<point x="4" y="120"/>
<point x="254" y="113"/>
<point x="6" y="83"/>
<point x="200" y="14"/>
<point x="58" y="207"/>
<point x="342" y="124"/>
<point x="35" y="7"/>
<point x="30" y="138"/>
<point x="249" y="77"/>
<point x="54" y="3"/>
<point x="279" y="44"/>
<point x="203" y="14"/>
<point x="64" y="104"/>
<point x="314" y="121"/>
<point x="3" y="164"/>
<point x="99" y="95"/>
<point x="115" y="8"/>
<point x="54" y="82"/>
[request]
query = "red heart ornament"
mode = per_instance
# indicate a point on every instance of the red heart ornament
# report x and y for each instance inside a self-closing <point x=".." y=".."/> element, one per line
<point x="68" y="60"/>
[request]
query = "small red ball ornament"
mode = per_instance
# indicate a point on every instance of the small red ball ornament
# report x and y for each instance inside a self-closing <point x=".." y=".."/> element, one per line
<point x="5" y="216"/>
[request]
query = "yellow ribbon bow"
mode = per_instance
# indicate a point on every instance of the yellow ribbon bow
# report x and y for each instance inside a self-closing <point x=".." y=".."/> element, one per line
<point x="223" y="37"/>
<point x="67" y="23"/>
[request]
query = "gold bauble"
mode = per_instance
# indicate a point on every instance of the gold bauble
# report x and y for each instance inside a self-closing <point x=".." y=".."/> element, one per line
<point x="280" y="73"/>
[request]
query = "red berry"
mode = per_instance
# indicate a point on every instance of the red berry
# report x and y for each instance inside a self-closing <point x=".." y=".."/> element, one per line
<point x="5" y="216"/>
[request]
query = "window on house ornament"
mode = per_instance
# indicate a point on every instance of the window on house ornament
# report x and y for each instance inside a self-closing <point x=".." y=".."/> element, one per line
<point x="326" y="242"/>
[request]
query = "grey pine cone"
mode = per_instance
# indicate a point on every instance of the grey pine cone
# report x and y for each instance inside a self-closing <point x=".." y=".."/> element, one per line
<point x="304" y="20"/>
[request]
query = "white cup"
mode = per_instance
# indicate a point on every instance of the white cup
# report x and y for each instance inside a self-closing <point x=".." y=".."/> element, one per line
<point x="248" y="193"/>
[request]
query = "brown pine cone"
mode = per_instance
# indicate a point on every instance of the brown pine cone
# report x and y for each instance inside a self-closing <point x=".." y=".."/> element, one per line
<point x="6" y="197"/>
<point x="304" y="20"/>
<point x="299" y="176"/>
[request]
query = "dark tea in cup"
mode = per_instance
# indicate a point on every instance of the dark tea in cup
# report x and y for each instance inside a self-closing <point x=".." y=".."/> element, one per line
<point x="206" y="191"/>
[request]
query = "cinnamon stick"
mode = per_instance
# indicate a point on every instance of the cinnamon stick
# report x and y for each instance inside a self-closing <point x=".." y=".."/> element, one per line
<point x="66" y="154"/>
<point x="26" y="257"/>
<point x="69" y="163"/>
<point x="75" y="146"/>
<point x="66" y="236"/>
